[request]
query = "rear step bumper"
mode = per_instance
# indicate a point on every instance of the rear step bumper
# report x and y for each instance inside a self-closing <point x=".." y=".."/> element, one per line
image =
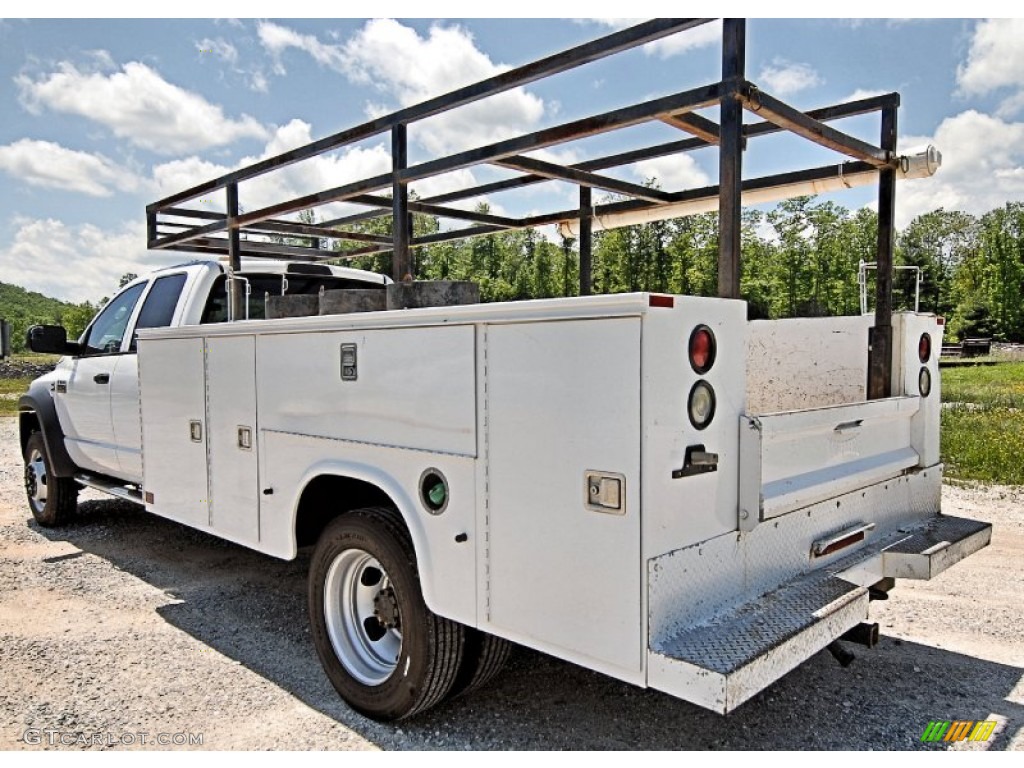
<point x="929" y="550"/>
<point x="729" y="657"/>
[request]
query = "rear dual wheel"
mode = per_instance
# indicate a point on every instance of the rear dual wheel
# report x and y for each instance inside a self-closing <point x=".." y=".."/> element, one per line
<point x="384" y="651"/>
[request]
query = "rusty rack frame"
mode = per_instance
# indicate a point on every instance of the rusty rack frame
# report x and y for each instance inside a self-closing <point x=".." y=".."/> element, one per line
<point x="170" y="226"/>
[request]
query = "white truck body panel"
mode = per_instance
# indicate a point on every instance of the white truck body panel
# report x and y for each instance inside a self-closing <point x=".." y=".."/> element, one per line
<point x="563" y="398"/>
<point x="521" y="407"/>
<point x="447" y="567"/>
<point x="126" y="416"/>
<point x="682" y="511"/>
<point x="806" y="362"/>
<point x="174" y="462"/>
<point x="231" y="415"/>
<point x="416" y="387"/>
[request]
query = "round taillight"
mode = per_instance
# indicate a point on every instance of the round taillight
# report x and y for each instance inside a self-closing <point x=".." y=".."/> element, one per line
<point x="924" y="348"/>
<point x="702" y="349"/>
<point x="924" y="382"/>
<point x="701" y="404"/>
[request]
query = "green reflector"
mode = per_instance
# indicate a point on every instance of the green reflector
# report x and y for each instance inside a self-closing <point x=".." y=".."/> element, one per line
<point x="437" y="494"/>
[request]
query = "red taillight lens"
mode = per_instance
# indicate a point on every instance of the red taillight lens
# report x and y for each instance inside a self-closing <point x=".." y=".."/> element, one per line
<point x="702" y="349"/>
<point x="924" y="348"/>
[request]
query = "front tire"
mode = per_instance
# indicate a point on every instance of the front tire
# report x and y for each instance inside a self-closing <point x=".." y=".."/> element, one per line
<point x="383" y="650"/>
<point x="53" y="500"/>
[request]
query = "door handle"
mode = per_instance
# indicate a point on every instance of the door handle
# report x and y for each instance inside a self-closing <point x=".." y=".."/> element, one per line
<point x="101" y="378"/>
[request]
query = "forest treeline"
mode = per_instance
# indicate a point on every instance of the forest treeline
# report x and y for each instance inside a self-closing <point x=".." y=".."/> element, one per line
<point x="799" y="259"/>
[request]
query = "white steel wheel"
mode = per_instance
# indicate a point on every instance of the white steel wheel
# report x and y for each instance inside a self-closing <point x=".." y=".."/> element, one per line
<point x="362" y="616"/>
<point x="51" y="499"/>
<point x="35" y="480"/>
<point x="383" y="650"/>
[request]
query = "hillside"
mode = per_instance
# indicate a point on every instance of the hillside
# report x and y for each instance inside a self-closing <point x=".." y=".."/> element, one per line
<point x="24" y="308"/>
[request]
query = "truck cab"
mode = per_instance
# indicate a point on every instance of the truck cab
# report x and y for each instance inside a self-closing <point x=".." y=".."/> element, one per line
<point x="92" y="396"/>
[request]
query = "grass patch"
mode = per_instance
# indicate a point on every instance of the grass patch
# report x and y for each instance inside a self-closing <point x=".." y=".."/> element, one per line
<point x="998" y="386"/>
<point x="12" y="388"/>
<point x="983" y="423"/>
<point x="35" y="357"/>
<point x="10" y="391"/>
<point x="983" y="444"/>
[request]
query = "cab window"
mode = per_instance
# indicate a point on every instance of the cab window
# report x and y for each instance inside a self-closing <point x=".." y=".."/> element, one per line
<point x="107" y="331"/>
<point x="216" y="310"/>
<point x="158" y="308"/>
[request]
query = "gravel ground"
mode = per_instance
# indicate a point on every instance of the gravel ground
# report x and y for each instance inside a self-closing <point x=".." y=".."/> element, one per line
<point x="19" y="369"/>
<point x="127" y="626"/>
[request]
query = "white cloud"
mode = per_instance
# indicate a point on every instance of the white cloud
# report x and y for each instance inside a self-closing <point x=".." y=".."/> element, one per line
<point x="690" y="40"/>
<point x="218" y="47"/>
<point x="315" y="174"/>
<point x="103" y="59"/>
<point x="448" y="182"/>
<point x="864" y="93"/>
<point x="277" y="39"/>
<point x="407" y="68"/>
<point x="176" y="175"/>
<point x="784" y="77"/>
<point x="995" y="61"/>
<point x="674" y="173"/>
<point x="77" y="263"/>
<point x="673" y="45"/>
<point x="976" y="175"/>
<point x="258" y="82"/>
<point x="48" y="165"/>
<point x="607" y="21"/>
<point x="318" y="173"/>
<point x="137" y="104"/>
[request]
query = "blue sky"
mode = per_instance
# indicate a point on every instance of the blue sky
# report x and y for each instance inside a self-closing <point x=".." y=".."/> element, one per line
<point x="100" y="117"/>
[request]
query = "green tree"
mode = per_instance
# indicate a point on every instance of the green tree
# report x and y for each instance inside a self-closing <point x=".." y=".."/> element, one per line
<point x="937" y="243"/>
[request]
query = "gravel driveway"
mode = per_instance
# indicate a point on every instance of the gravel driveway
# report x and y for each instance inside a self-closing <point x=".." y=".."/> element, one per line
<point x="125" y="629"/>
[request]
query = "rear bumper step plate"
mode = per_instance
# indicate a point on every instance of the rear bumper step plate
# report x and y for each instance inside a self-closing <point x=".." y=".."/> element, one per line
<point x="731" y="656"/>
<point x="722" y="663"/>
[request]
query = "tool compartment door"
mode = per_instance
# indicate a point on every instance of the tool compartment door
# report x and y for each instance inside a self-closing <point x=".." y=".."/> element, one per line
<point x="231" y="414"/>
<point x="563" y="399"/>
<point x="172" y="387"/>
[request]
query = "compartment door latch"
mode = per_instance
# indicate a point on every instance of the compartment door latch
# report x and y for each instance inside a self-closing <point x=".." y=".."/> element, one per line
<point x="696" y="462"/>
<point x="604" y="492"/>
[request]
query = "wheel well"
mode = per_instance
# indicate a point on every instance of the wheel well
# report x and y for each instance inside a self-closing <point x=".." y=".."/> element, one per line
<point x="328" y="496"/>
<point x="28" y="422"/>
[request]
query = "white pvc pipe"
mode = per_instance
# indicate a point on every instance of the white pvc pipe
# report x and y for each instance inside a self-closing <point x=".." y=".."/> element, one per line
<point x="919" y="165"/>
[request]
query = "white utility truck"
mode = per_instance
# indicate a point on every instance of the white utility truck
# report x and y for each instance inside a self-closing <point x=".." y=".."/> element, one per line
<point x="647" y="485"/>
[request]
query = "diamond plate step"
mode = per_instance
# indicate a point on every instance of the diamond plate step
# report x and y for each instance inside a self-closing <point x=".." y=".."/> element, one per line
<point x="725" y="659"/>
<point x="929" y="550"/>
<point x="721" y="663"/>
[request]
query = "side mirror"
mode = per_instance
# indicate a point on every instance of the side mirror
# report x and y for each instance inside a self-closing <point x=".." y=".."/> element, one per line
<point x="50" y="339"/>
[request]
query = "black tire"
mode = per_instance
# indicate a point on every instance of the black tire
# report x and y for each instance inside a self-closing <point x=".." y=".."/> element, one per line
<point x="53" y="500"/>
<point x="484" y="657"/>
<point x="355" y="644"/>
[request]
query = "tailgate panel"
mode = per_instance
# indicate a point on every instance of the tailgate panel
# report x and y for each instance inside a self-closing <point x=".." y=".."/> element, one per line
<point x="791" y="460"/>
